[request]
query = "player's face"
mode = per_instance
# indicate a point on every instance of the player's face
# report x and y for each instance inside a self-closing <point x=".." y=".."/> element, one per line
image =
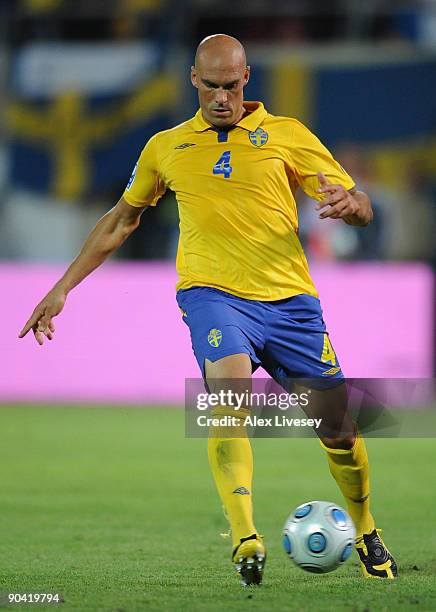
<point x="221" y="93"/>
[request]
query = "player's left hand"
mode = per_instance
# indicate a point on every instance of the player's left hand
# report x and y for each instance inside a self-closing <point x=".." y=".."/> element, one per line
<point x="341" y="202"/>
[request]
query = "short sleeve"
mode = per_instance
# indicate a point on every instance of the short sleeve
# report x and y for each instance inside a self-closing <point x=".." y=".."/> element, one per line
<point x="309" y="157"/>
<point x="145" y="186"/>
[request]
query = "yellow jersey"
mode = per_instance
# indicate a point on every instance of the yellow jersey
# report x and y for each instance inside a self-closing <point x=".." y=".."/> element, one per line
<point x="235" y="189"/>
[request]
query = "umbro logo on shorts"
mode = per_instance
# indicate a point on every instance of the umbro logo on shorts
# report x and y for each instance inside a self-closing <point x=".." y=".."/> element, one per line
<point x="332" y="371"/>
<point x="185" y="145"/>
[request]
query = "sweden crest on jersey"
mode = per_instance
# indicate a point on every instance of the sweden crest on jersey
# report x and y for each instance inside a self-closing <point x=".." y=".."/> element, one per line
<point x="259" y="137"/>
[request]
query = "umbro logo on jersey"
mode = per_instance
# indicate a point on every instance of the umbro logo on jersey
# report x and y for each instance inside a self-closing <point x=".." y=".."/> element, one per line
<point x="185" y="145"/>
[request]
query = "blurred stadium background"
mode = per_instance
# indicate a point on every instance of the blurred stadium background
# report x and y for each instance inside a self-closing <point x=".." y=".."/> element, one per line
<point x="85" y="84"/>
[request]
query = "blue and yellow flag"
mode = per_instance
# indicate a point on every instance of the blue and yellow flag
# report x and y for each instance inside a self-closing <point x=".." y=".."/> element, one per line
<point x="71" y="145"/>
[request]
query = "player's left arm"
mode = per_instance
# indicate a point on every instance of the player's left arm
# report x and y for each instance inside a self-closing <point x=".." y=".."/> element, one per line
<point x="353" y="206"/>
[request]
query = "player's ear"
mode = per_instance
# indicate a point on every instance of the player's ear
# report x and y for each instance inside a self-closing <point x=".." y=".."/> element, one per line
<point x="247" y="75"/>
<point x="194" y="77"/>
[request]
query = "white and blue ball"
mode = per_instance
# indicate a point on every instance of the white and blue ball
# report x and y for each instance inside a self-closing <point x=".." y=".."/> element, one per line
<point x="319" y="536"/>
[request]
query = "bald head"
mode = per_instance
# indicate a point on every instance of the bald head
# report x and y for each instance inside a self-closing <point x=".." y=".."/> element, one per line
<point x="220" y="74"/>
<point x="220" y="49"/>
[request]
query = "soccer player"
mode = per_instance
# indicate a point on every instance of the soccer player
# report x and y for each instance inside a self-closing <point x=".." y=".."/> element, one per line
<point x="244" y="285"/>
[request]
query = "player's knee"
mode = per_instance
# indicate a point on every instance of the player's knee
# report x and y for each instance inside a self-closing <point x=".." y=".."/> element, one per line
<point x="230" y="379"/>
<point x="343" y="442"/>
<point x="232" y="366"/>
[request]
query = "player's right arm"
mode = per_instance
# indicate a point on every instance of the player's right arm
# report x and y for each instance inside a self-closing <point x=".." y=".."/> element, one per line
<point x="107" y="236"/>
<point x="144" y="189"/>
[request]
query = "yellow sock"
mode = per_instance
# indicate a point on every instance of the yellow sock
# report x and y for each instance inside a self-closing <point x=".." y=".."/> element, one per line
<point x="231" y="461"/>
<point x="350" y="469"/>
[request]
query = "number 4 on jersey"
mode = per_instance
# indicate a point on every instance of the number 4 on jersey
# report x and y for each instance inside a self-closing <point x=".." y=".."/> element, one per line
<point x="223" y="166"/>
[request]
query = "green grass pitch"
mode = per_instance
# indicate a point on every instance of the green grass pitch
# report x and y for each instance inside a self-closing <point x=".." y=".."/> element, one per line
<point x="116" y="509"/>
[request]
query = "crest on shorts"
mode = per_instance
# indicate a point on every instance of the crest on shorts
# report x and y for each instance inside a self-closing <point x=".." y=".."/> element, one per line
<point x="259" y="137"/>
<point x="214" y="338"/>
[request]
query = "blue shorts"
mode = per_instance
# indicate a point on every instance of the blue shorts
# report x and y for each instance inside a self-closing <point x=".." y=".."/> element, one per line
<point x="288" y="338"/>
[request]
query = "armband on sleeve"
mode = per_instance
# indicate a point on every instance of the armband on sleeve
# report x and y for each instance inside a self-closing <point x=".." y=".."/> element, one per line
<point x="145" y="186"/>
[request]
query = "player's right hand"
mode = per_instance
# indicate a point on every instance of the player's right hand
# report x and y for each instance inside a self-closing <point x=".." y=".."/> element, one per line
<point x="41" y="320"/>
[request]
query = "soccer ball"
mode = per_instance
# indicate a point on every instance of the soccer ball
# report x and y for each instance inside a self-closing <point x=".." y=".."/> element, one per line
<point x="319" y="536"/>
